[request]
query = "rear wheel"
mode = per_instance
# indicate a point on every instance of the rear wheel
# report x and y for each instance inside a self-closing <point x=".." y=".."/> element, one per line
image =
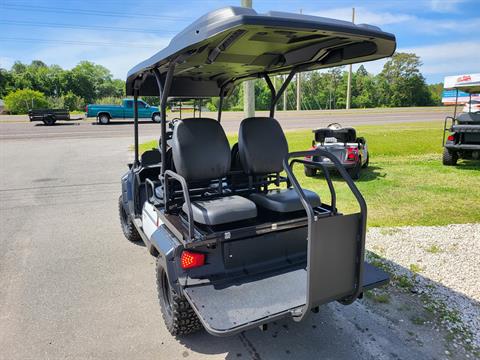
<point x="178" y="315"/>
<point x="128" y="228"/>
<point x="156" y="117"/>
<point x="354" y="172"/>
<point x="449" y="157"/>
<point x="103" y="119"/>
<point x="310" y="172"/>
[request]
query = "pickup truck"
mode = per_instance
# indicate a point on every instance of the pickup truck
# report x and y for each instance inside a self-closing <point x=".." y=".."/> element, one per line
<point x="105" y="113"/>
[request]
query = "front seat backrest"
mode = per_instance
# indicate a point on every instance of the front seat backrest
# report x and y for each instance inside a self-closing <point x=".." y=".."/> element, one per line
<point x="200" y="149"/>
<point x="262" y="145"/>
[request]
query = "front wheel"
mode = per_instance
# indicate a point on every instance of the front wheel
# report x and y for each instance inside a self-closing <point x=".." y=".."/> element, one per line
<point x="449" y="157"/>
<point x="156" y="118"/>
<point x="366" y="162"/>
<point x="178" y="315"/>
<point x="309" y="172"/>
<point x="128" y="227"/>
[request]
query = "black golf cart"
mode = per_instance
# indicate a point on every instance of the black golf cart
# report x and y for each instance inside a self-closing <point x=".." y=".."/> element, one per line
<point x="238" y="244"/>
<point x="463" y="140"/>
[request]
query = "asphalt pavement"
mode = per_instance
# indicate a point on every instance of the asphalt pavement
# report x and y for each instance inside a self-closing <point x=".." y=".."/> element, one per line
<point x="72" y="287"/>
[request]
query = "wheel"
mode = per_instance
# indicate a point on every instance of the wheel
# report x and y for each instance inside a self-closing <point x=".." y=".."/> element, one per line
<point x="129" y="229"/>
<point x="178" y="315"/>
<point x="49" y="121"/>
<point x="309" y="172"/>
<point x="355" y="171"/>
<point x="449" y="157"/>
<point x="104" y="119"/>
<point x="366" y="162"/>
<point x="156" y="117"/>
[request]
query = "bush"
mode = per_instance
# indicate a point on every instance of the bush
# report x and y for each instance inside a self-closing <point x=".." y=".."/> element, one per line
<point x="20" y="101"/>
<point x="73" y="102"/>
<point x="109" y="100"/>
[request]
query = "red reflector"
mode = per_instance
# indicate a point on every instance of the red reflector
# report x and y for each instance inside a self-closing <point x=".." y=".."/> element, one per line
<point x="309" y="158"/>
<point x="451" y="137"/>
<point x="190" y="259"/>
<point x="352" y="153"/>
<point x="351" y="156"/>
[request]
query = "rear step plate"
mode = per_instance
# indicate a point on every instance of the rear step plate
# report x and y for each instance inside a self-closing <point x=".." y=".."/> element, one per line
<point x="228" y="310"/>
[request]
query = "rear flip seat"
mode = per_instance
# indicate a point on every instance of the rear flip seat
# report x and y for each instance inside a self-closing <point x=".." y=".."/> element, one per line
<point x="262" y="147"/>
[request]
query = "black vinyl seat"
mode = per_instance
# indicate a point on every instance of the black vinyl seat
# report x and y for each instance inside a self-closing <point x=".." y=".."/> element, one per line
<point x="262" y="147"/>
<point x="201" y="152"/>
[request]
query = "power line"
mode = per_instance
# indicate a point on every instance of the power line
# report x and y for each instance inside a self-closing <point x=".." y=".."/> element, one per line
<point x="86" y="27"/>
<point x="48" y="9"/>
<point x="78" y="42"/>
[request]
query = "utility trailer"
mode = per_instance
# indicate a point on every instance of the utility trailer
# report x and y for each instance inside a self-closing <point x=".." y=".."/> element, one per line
<point x="50" y="116"/>
<point x="463" y="139"/>
<point x="238" y="244"/>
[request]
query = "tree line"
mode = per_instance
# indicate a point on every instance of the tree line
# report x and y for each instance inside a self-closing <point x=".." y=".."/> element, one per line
<point x="400" y="83"/>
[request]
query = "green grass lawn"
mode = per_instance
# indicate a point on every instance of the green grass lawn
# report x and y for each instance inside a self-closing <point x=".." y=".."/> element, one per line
<point x="406" y="183"/>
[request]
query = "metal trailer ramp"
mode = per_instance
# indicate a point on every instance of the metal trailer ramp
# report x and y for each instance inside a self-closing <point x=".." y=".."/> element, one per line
<point x="229" y="310"/>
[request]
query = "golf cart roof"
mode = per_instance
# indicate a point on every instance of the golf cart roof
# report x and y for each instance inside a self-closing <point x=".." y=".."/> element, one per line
<point x="469" y="83"/>
<point x="232" y="44"/>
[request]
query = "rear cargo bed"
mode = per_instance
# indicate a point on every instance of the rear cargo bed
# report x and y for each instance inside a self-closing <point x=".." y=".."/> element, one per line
<point x="227" y="310"/>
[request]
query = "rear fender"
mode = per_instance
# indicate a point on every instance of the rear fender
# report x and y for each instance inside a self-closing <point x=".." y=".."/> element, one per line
<point x="167" y="246"/>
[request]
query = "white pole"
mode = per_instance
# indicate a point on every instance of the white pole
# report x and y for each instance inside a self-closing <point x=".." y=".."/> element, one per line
<point x="349" y="81"/>
<point x="299" y="105"/>
<point x="248" y="86"/>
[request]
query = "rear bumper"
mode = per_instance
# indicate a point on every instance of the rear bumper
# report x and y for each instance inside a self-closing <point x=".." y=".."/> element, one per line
<point x="462" y="146"/>
<point x="330" y="165"/>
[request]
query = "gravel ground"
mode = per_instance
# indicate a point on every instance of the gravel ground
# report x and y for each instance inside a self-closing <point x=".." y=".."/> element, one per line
<point x="442" y="263"/>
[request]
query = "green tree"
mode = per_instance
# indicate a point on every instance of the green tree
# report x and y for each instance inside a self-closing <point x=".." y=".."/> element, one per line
<point x="5" y="82"/>
<point x="436" y="91"/>
<point x="20" y="101"/>
<point x="73" y="102"/>
<point x="401" y="82"/>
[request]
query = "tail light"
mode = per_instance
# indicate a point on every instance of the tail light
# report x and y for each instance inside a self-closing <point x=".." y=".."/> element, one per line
<point x="352" y="153"/>
<point x="309" y="158"/>
<point x="191" y="259"/>
<point x="451" y="138"/>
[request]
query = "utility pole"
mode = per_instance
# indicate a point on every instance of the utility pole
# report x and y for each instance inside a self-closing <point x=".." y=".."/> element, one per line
<point x="299" y="105"/>
<point x="349" y="81"/>
<point x="248" y="86"/>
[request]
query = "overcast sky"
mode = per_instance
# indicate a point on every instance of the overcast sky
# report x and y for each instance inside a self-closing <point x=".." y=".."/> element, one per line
<point x="119" y="34"/>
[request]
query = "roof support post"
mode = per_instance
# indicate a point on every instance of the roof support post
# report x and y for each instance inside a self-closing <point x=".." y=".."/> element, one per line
<point x="135" y="125"/>
<point x="282" y="89"/>
<point x="220" y="104"/>
<point x="273" y="94"/>
<point x="164" y="89"/>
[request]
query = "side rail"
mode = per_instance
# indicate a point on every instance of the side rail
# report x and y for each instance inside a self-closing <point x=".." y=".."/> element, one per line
<point x="172" y="175"/>
<point x="445" y="129"/>
<point x="325" y="233"/>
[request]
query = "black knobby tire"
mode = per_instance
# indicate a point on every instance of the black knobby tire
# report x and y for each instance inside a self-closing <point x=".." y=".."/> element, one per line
<point x="366" y="162"/>
<point x="355" y="171"/>
<point x="128" y="228"/>
<point x="449" y="157"/>
<point x="178" y="315"/>
<point x="309" y="172"/>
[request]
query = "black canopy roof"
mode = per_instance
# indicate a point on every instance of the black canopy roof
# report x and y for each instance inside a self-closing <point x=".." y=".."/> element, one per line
<point x="232" y="44"/>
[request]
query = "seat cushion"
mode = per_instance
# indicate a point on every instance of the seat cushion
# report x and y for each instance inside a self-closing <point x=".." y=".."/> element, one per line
<point x="284" y="200"/>
<point x="222" y="210"/>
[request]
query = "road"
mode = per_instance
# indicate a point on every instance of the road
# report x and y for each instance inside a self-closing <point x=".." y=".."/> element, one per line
<point x="72" y="287"/>
<point x="18" y="128"/>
